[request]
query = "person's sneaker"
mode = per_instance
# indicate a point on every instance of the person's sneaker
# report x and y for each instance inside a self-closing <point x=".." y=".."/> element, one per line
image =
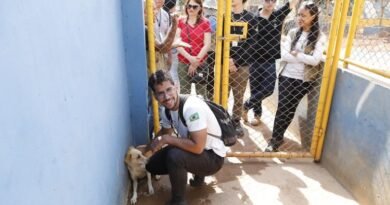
<point x="255" y="121"/>
<point x="245" y="114"/>
<point x="239" y="129"/>
<point x="274" y="145"/>
<point x="197" y="181"/>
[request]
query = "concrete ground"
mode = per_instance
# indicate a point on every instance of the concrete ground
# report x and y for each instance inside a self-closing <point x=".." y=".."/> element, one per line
<point x="259" y="181"/>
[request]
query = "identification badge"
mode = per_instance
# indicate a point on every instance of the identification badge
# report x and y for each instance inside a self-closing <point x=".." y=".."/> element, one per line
<point x="234" y="43"/>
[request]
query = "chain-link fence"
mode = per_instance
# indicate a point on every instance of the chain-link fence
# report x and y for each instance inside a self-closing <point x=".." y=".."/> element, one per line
<point x="371" y="38"/>
<point x="281" y="95"/>
<point x="272" y="101"/>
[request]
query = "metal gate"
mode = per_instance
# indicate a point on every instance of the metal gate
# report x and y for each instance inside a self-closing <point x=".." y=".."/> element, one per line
<point x="235" y="74"/>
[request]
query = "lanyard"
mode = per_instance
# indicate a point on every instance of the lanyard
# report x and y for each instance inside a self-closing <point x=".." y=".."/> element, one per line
<point x="159" y="20"/>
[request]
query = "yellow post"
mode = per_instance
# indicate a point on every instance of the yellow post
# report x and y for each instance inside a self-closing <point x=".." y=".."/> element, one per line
<point x="383" y="73"/>
<point x="357" y="9"/>
<point x="325" y="76"/>
<point x="218" y="52"/>
<point x="226" y="54"/>
<point x="152" y="58"/>
<point x="244" y="34"/>
<point x="332" y="79"/>
<point x="270" y="154"/>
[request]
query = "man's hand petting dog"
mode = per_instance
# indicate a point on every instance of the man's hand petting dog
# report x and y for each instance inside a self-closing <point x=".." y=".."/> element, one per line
<point x="159" y="142"/>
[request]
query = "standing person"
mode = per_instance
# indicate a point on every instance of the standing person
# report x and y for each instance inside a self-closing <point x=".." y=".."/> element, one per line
<point x="193" y="150"/>
<point x="161" y="28"/>
<point x="167" y="43"/>
<point x="262" y="75"/>
<point x="195" y="30"/>
<point x="302" y="52"/>
<point x="240" y="59"/>
<point x="162" y="23"/>
<point x="170" y="7"/>
<point x="161" y="48"/>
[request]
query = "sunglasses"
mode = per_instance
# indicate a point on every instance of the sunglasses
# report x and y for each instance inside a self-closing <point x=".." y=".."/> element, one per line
<point x="270" y="1"/>
<point x="194" y="7"/>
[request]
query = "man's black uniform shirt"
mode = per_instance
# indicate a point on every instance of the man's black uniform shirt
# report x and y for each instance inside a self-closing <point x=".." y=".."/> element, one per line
<point x="242" y="51"/>
<point x="269" y="35"/>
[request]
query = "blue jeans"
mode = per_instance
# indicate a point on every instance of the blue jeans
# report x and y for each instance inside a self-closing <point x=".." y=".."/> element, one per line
<point x="262" y="78"/>
<point x="176" y="163"/>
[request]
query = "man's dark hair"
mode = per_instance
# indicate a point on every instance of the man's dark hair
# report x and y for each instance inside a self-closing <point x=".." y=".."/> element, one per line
<point x="159" y="77"/>
<point x="244" y="1"/>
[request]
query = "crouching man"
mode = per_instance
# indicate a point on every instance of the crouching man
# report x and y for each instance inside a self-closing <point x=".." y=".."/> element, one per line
<point x="194" y="150"/>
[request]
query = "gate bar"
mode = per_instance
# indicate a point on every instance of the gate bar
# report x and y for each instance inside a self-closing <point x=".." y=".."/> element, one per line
<point x="332" y="80"/>
<point x="218" y="53"/>
<point x="325" y="77"/>
<point x="226" y="54"/>
<point x="152" y="60"/>
<point x="356" y="12"/>
<point x="270" y="154"/>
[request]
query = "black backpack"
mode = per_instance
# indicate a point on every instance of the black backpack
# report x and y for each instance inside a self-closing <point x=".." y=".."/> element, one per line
<point x="229" y="133"/>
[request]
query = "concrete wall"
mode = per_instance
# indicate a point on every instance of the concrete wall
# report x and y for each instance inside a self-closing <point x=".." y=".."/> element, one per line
<point x="357" y="146"/>
<point x="137" y="75"/>
<point x="66" y="100"/>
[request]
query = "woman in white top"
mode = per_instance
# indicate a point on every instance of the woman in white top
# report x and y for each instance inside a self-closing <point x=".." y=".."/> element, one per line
<point x="301" y="52"/>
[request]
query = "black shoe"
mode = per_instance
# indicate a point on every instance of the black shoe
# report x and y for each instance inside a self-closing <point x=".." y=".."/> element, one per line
<point x="274" y="145"/>
<point x="239" y="129"/>
<point x="197" y="181"/>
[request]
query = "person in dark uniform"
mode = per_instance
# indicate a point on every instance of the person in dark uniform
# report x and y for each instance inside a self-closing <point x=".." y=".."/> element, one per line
<point x="240" y="59"/>
<point x="262" y="73"/>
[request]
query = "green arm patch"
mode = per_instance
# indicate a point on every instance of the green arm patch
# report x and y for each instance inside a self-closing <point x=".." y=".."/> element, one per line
<point x="194" y="117"/>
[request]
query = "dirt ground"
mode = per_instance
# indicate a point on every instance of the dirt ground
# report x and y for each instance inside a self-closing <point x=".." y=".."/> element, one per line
<point x="255" y="181"/>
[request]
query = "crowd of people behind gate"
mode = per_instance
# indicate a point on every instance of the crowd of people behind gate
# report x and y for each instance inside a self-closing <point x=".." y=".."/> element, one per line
<point x="251" y="60"/>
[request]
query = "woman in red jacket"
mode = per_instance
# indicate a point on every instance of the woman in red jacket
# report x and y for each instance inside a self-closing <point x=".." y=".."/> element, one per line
<point x="195" y="30"/>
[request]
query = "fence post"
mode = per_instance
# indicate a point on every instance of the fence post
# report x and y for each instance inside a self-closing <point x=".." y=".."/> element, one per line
<point x="356" y="12"/>
<point x="325" y="77"/>
<point x="332" y="78"/>
<point x="218" y="52"/>
<point x="226" y="54"/>
<point x="152" y="59"/>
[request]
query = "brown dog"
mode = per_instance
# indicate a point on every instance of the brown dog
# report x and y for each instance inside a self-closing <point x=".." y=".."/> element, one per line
<point x="136" y="159"/>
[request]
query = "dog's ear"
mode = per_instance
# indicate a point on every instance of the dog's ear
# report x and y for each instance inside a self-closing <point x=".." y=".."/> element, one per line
<point x="145" y="149"/>
<point x="128" y="159"/>
<point x="128" y="155"/>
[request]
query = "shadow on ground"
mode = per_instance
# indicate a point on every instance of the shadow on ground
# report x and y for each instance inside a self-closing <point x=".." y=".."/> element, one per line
<point x="254" y="181"/>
